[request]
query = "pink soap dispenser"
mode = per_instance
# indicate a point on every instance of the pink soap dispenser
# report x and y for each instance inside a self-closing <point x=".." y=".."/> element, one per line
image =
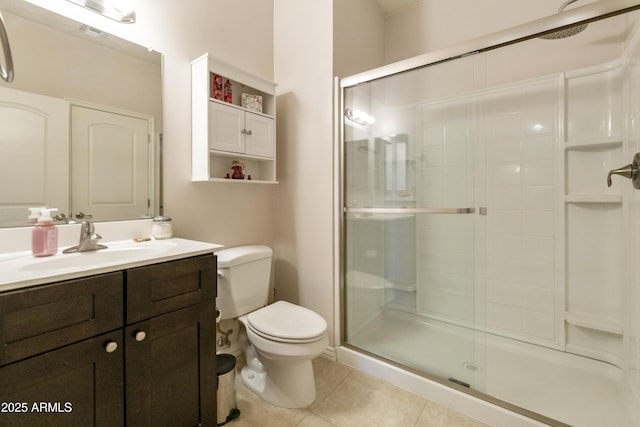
<point x="44" y="237"/>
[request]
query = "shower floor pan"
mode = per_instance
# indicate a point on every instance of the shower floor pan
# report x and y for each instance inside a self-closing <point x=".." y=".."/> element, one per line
<point x="569" y="388"/>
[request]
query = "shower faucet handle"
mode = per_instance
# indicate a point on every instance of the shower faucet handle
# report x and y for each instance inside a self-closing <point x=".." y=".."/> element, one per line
<point x="629" y="171"/>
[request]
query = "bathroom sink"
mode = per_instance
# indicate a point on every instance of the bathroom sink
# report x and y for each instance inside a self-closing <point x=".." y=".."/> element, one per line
<point x="116" y="252"/>
<point x="20" y="269"/>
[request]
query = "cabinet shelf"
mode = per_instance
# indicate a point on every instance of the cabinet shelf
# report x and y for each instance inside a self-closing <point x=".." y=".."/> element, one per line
<point x="226" y="131"/>
<point x="239" y="107"/>
<point x="241" y="181"/>
<point x="597" y="323"/>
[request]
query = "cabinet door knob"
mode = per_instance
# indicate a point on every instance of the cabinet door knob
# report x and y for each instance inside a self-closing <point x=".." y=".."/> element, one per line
<point x="140" y="336"/>
<point x="111" y="346"/>
<point x="243" y="131"/>
<point x="249" y="132"/>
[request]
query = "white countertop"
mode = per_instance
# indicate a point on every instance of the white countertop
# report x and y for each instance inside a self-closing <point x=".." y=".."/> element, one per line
<point x="21" y="269"/>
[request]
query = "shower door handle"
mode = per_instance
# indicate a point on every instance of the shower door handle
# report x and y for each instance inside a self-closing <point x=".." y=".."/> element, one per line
<point x="629" y="171"/>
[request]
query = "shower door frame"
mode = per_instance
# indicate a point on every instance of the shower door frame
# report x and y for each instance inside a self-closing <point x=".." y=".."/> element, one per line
<point x="577" y="16"/>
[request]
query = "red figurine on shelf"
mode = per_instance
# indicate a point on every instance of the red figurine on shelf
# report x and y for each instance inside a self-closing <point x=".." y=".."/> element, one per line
<point x="237" y="170"/>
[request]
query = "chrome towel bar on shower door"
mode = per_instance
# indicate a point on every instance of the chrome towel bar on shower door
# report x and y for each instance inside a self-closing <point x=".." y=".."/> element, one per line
<point x="450" y="211"/>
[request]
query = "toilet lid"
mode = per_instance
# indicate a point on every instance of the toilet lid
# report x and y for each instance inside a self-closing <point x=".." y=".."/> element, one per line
<point x="285" y="321"/>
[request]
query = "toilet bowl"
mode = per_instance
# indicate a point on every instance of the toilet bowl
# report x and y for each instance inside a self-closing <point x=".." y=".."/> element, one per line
<point x="279" y="340"/>
<point x="279" y="365"/>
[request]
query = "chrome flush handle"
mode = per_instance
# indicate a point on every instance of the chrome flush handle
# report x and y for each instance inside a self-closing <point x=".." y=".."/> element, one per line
<point x="629" y="171"/>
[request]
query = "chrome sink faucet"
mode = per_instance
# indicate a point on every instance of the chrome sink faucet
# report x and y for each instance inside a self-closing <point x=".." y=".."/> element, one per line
<point x="88" y="239"/>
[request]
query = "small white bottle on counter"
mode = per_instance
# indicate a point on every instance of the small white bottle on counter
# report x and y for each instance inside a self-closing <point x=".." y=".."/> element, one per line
<point x="162" y="228"/>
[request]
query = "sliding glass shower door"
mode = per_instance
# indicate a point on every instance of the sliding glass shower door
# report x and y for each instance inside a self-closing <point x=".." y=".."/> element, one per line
<point x="411" y="208"/>
<point x="483" y="243"/>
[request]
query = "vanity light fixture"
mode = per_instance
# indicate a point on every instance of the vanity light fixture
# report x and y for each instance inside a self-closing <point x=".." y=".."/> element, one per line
<point x="118" y="10"/>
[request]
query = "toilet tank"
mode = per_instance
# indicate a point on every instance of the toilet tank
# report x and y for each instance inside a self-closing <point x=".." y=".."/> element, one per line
<point x="244" y="274"/>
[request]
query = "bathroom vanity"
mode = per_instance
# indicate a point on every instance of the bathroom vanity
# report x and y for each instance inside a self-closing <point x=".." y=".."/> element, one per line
<point x="125" y="337"/>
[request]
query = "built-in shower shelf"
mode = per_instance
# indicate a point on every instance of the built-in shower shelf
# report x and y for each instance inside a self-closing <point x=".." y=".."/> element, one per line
<point x="405" y="287"/>
<point x="594" y="143"/>
<point x="596" y="323"/>
<point x="593" y="198"/>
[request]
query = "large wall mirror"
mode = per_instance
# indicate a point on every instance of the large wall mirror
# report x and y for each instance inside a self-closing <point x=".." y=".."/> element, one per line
<point x="80" y="124"/>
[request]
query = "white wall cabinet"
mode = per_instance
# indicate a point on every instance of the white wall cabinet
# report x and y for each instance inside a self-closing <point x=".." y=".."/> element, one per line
<point x="223" y="132"/>
<point x="236" y="130"/>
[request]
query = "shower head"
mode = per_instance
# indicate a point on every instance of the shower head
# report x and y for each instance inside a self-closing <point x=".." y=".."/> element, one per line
<point x="563" y="34"/>
<point x="567" y="32"/>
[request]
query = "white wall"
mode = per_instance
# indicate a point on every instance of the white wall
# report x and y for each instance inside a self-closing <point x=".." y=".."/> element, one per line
<point x="430" y="25"/>
<point x="359" y="36"/>
<point x="236" y="33"/>
<point x="303" y="64"/>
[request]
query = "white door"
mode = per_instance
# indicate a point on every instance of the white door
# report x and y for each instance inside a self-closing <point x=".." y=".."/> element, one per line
<point x="34" y="157"/>
<point x="225" y="128"/>
<point x="110" y="157"/>
<point x="259" y="135"/>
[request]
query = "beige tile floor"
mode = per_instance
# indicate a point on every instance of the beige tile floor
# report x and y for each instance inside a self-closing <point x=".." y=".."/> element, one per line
<point x="348" y="398"/>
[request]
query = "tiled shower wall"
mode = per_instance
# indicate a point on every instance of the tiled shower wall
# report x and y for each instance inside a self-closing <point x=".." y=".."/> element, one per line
<point x="543" y="265"/>
<point x="521" y="136"/>
<point x="495" y="150"/>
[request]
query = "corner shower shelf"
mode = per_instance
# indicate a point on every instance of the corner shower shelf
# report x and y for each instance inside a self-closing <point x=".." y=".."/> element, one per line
<point x="594" y="143"/>
<point x="593" y="198"/>
<point x="596" y="323"/>
<point x="405" y="287"/>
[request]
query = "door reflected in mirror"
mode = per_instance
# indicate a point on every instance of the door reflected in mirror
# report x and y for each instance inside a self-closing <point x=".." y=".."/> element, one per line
<point x="81" y="121"/>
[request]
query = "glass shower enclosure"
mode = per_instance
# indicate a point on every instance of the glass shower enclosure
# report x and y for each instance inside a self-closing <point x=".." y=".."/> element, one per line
<point x="481" y="245"/>
<point x="410" y="224"/>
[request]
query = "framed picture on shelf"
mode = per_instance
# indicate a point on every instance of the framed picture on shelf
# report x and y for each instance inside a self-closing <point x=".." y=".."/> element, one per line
<point x="215" y="86"/>
<point x="252" y="102"/>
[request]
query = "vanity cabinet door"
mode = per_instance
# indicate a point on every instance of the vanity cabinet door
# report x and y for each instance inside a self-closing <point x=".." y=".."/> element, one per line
<point x="42" y="318"/>
<point x="161" y="288"/>
<point x="77" y="385"/>
<point x="170" y="374"/>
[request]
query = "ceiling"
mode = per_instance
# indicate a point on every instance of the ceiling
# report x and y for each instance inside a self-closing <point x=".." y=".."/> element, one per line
<point x="391" y="6"/>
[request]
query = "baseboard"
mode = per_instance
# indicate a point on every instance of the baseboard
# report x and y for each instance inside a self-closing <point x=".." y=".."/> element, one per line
<point x="330" y="353"/>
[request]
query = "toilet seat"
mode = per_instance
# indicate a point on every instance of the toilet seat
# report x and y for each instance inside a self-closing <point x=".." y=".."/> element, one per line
<point x="286" y="322"/>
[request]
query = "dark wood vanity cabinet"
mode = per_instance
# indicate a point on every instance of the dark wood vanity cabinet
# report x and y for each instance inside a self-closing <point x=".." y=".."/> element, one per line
<point x="170" y="350"/>
<point x="77" y="385"/>
<point x="78" y="353"/>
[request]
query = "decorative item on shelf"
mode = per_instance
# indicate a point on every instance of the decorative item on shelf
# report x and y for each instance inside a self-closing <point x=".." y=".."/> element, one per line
<point x="237" y="167"/>
<point x="252" y="102"/>
<point x="227" y="91"/>
<point x="216" y="86"/>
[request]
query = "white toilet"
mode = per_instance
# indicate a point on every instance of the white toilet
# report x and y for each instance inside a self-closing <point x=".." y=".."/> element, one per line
<point x="279" y="340"/>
